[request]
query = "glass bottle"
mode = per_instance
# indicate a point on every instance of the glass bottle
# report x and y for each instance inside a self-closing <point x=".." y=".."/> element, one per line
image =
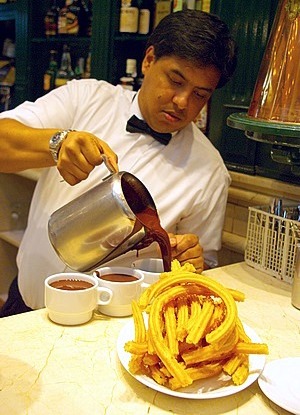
<point x="87" y="71"/>
<point x="74" y="11"/>
<point x="62" y="20"/>
<point x="128" y="81"/>
<point x="145" y="17"/>
<point x="65" y="72"/>
<point x="50" y="74"/>
<point x="79" y="68"/>
<point x="162" y="9"/>
<point x="129" y="16"/>
<point x="51" y="19"/>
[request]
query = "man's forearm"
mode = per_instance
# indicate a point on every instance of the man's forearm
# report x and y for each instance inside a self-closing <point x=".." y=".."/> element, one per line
<point x="23" y="147"/>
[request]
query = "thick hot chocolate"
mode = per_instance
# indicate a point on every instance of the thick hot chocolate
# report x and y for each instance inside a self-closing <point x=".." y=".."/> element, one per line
<point x="71" y="285"/>
<point x="118" y="277"/>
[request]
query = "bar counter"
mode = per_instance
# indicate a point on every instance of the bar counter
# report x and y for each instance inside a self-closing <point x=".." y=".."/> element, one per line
<point x="48" y="369"/>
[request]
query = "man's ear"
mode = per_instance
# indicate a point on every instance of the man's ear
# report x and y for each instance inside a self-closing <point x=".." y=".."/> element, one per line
<point x="148" y="59"/>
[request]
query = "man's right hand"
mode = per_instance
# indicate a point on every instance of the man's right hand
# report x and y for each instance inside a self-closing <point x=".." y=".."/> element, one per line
<point x="80" y="153"/>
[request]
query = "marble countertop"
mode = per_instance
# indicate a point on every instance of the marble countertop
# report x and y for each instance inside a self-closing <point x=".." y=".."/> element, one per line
<point x="54" y="370"/>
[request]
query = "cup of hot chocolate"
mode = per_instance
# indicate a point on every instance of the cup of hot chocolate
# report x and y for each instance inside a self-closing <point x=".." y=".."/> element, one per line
<point x="150" y="267"/>
<point x="126" y="284"/>
<point x="72" y="297"/>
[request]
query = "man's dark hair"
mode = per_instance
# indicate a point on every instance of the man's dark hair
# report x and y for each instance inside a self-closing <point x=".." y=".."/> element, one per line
<point x="197" y="36"/>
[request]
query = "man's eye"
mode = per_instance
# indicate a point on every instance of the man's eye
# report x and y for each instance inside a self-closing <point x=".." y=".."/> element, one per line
<point x="175" y="81"/>
<point x="199" y="95"/>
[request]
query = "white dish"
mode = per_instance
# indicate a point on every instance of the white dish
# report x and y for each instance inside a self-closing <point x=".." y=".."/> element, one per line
<point x="214" y="387"/>
<point x="280" y="382"/>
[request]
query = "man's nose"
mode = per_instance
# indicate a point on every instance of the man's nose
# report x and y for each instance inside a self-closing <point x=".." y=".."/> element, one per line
<point x="181" y="99"/>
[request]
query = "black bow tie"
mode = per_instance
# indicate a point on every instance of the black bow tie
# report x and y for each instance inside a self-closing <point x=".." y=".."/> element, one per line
<point x="135" y="125"/>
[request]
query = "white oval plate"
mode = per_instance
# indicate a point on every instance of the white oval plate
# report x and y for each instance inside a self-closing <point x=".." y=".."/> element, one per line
<point x="280" y="382"/>
<point x="214" y="387"/>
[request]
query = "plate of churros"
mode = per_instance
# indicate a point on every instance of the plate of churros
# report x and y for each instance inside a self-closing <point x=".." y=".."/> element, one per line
<point x="214" y="387"/>
<point x="186" y="339"/>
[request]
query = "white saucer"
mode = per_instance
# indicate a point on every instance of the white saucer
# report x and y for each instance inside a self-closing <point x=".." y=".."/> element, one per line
<point x="280" y="382"/>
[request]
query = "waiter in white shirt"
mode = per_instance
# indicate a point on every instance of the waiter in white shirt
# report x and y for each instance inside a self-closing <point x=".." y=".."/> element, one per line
<point x="150" y="134"/>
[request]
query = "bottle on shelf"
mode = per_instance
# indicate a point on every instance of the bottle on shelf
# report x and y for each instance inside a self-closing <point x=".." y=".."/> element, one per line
<point x="74" y="14"/>
<point x="178" y="5"/>
<point x="50" y="74"/>
<point x="128" y="81"/>
<point x="62" y="20"/>
<point x="79" y="68"/>
<point x="183" y="5"/>
<point x="51" y="19"/>
<point x="191" y="4"/>
<point x="65" y="72"/>
<point x="145" y="13"/>
<point x="129" y="16"/>
<point x="87" y="70"/>
<point x="162" y="9"/>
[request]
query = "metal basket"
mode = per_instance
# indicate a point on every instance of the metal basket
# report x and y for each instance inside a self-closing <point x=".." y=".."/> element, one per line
<point x="271" y="243"/>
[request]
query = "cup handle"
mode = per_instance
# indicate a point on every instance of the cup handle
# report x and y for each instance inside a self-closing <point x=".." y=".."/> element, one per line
<point x="108" y="296"/>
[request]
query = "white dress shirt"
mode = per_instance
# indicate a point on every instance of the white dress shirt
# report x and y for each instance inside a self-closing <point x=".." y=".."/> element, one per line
<point x="187" y="178"/>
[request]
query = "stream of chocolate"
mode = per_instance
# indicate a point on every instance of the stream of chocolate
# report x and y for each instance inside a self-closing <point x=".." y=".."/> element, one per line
<point x="154" y="232"/>
<point x="143" y="206"/>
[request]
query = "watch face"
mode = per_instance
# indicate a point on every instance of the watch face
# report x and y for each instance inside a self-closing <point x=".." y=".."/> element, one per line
<point x="55" y="139"/>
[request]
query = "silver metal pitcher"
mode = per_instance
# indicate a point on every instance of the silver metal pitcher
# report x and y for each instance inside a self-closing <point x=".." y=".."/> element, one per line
<point x="101" y="224"/>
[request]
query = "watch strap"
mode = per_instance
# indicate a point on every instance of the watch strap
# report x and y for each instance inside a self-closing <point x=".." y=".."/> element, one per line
<point x="56" y="141"/>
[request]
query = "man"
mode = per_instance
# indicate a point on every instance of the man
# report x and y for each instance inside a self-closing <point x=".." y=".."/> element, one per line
<point x="188" y="56"/>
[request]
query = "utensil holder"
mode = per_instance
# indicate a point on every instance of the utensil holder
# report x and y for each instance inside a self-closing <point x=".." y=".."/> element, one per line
<point x="271" y="243"/>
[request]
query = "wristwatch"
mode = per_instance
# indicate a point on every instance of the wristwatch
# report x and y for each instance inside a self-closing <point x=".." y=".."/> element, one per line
<point x="56" y="141"/>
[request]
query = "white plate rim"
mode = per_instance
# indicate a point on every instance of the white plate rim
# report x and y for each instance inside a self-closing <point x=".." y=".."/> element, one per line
<point x="256" y="365"/>
<point x="271" y="391"/>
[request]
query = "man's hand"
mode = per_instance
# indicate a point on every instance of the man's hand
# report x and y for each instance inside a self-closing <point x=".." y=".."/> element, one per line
<point x="80" y="153"/>
<point x="186" y="248"/>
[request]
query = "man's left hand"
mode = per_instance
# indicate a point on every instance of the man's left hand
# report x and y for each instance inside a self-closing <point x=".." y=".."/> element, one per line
<point x="186" y="248"/>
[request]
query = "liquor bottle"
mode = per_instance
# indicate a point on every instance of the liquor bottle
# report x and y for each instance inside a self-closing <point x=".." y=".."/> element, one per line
<point x="79" y="68"/>
<point x="198" y="5"/>
<point x="65" y="72"/>
<point x="183" y="5"/>
<point x="191" y="4"/>
<point x="50" y="74"/>
<point x="177" y="5"/>
<point x="162" y="9"/>
<point x="145" y="17"/>
<point x="128" y="81"/>
<point x="87" y="71"/>
<point x="129" y="16"/>
<point x="62" y="20"/>
<point x="51" y="19"/>
<point x="74" y="12"/>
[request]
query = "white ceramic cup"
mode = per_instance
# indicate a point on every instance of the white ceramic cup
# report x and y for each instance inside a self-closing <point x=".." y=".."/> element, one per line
<point x="150" y="267"/>
<point x="74" y="306"/>
<point x="123" y="292"/>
